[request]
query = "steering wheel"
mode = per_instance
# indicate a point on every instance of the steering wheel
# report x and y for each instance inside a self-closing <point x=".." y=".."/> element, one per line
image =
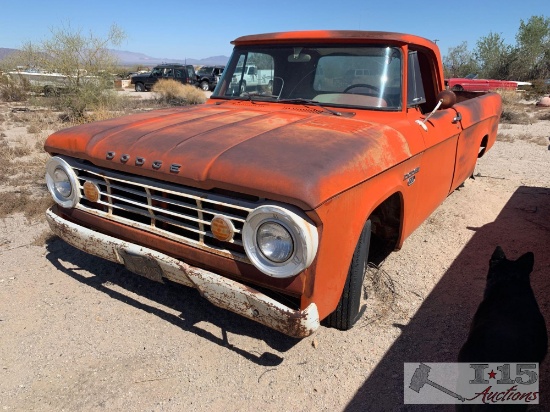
<point x="364" y="85"/>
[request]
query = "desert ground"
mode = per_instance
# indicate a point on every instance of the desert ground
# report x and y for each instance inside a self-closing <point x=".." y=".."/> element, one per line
<point x="78" y="333"/>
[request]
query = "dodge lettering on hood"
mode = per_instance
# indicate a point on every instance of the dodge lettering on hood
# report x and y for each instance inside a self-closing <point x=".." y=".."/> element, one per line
<point x="272" y="196"/>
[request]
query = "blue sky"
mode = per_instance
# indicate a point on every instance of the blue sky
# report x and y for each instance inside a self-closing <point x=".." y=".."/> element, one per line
<point x="200" y="29"/>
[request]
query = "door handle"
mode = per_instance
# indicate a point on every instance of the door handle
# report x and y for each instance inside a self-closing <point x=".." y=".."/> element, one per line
<point x="457" y="118"/>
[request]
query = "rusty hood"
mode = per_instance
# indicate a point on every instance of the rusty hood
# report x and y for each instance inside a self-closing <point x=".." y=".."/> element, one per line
<point x="295" y="154"/>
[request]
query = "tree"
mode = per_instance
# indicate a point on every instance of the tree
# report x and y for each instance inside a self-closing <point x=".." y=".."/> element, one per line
<point x="459" y="61"/>
<point x="84" y="60"/>
<point x="73" y="54"/>
<point x="493" y="56"/>
<point x="533" y="47"/>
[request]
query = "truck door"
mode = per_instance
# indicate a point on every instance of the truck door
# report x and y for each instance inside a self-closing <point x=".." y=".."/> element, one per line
<point x="179" y="75"/>
<point x="435" y="175"/>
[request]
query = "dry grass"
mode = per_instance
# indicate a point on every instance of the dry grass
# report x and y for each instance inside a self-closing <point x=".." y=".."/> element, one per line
<point x="175" y="93"/>
<point x="381" y="293"/>
<point x="43" y="238"/>
<point x="516" y="116"/>
<point x="31" y="203"/>
<point x="543" y="115"/>
<point x="22" y="159"/>
<point x="509" y="97"/>
<point x="508" y="138"/>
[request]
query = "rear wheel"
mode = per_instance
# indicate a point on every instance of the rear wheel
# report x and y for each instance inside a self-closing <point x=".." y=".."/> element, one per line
<point x="140" y="87"/>
<point x="347" y="311"/>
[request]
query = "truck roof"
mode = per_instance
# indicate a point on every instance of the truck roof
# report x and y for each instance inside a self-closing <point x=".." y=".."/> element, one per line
<point x="334" y="36"/>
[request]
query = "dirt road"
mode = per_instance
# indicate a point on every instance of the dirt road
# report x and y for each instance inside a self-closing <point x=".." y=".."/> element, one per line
<point x="80" y="333"/>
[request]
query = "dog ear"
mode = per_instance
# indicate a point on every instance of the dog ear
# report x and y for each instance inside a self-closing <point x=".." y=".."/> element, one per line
<point x="497" y="256"/>
<point x="526" y="262"/>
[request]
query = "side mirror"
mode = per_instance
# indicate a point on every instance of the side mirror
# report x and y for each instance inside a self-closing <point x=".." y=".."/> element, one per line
<point x="447" y="99"/>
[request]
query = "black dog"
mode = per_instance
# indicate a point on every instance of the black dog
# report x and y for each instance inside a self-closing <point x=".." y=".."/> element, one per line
<point x="508" y="325"/>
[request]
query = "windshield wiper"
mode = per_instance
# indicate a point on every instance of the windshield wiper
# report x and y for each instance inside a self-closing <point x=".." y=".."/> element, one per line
<point x="300" y="100"/>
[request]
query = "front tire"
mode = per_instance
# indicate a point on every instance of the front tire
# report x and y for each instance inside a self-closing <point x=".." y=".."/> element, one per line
<point x="347" y="311"/>
<point x="205" y="85"/>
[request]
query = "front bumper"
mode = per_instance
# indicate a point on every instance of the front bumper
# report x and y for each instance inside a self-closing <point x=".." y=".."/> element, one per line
<point x="222" y="292"/>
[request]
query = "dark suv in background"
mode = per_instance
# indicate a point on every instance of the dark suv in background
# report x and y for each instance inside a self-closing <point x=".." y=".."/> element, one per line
<point x="208" y="76"/>
<point x="179" y="72"/>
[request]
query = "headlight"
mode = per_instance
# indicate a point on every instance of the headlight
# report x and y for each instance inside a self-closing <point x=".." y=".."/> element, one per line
<point x="62" y="182"/>
<point x="278" y="241"/>
<point x="275" y="242"/>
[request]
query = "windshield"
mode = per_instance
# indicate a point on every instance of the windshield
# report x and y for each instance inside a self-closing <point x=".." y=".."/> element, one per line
<point x="358" y="76"/>
<point x="205" y="70"/>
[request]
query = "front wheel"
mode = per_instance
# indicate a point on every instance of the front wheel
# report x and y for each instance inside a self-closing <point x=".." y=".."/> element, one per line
<point x="347" y="311"/>
<point x="205" y="85"/>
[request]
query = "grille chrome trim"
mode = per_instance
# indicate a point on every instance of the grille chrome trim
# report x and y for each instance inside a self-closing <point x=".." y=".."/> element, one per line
<point x="179" y="213"/>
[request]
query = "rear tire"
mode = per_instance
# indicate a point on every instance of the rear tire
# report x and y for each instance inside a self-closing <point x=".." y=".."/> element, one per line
<point x="347" y="312"/>
<point x="140" y="87"/>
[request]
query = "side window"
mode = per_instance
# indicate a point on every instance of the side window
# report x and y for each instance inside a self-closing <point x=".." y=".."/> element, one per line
<point x="415" y="88"/>
<point x="179" y="73"/>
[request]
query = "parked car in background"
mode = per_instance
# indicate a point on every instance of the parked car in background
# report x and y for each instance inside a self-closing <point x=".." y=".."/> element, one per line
<point x="472" y="84"/>
<point x="208" y="76"/>
<point x="179" y="72"/>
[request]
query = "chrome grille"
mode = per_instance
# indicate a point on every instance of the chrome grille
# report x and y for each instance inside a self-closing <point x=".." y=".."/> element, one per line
<point x="176" y="212"/>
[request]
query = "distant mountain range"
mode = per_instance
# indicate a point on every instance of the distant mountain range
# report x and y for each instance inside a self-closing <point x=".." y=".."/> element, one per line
<point x="127" y="58"/>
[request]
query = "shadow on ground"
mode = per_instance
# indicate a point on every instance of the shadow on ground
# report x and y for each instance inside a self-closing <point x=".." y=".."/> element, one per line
<point x="523" y="225"/>
<point x="192" y="307"/>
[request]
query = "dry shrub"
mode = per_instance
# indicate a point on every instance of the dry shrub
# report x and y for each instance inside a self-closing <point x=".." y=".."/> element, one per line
<point x="176" y="93"/>
<point x="381" y="292"/>
<point x="509" y="97"/>
<point x="505" y="137"/>
<point x="33" y="129"/>
<point x="13" y="91"/>
<point x="31" y="204"/>
<point x="515" y="117"/>
<point x="543" y="115"/>
<point x="43" y="238"/>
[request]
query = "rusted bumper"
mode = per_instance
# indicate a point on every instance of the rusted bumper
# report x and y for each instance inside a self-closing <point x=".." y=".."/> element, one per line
<point x="220" y="291"/>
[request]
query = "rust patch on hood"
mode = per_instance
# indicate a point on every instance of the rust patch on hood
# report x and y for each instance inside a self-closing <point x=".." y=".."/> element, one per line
<point x="269" y="151"/>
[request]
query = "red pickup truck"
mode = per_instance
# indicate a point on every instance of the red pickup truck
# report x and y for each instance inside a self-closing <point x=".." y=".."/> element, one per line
<point x="271" y="198"/>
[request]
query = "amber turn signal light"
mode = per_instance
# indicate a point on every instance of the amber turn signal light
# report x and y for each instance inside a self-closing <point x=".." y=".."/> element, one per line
<point x="222" y="228"/>
<point x="91" y="191"/>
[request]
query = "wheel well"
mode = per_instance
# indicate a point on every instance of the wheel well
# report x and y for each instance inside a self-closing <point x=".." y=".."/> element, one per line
<point x="386" y="228"/>
<point x="483" y="146"/>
